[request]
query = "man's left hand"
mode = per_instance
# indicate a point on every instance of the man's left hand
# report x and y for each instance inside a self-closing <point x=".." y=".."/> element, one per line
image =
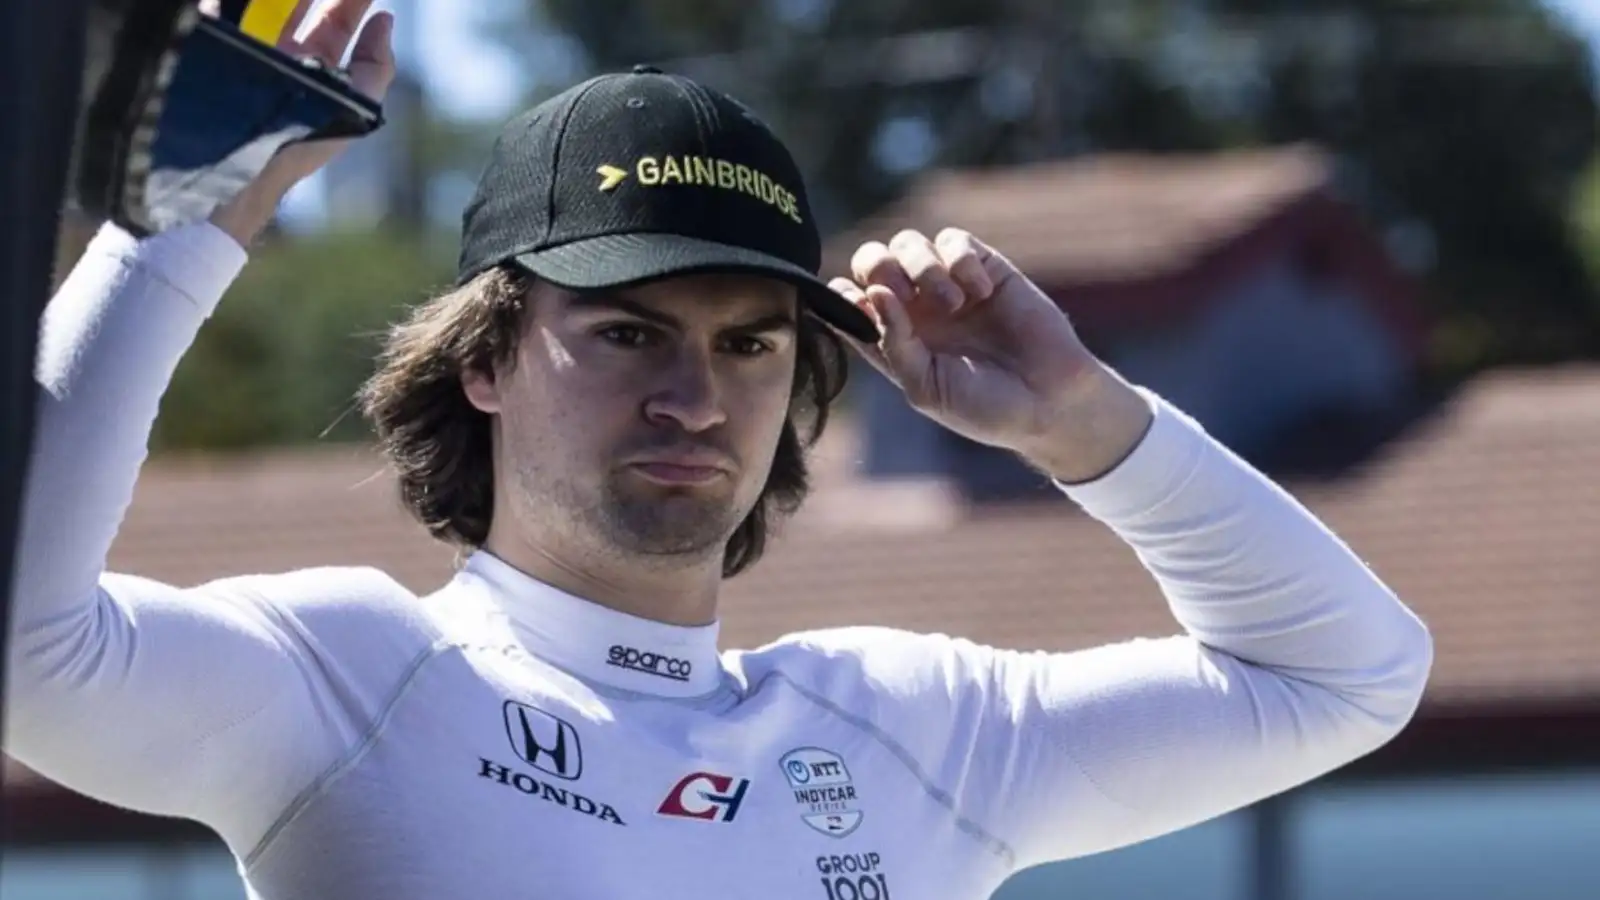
<point x="979" y="348"/>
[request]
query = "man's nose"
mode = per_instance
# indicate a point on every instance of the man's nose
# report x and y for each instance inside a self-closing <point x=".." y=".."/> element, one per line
<point x="687" y="395"/>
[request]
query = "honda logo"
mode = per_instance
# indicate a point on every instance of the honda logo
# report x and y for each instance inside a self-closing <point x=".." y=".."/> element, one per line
<point x="547" y="743"/>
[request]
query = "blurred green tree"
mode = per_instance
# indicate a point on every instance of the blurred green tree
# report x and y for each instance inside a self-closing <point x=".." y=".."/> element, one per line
<point x="1476" y="118"/>
<point x="280" y="360"/>
<point x="1586" y="218"/>
<point x="871" y="93"/>
<point x="1464" y="125"/>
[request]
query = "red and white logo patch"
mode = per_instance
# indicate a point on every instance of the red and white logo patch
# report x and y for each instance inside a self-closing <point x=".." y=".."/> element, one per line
<point x="706" y="796"/>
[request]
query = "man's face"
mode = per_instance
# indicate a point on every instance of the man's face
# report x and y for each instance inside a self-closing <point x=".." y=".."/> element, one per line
<point x="642" y="422"/>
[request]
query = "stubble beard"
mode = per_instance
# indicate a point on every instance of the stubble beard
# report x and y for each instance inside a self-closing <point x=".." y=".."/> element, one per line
<point x="683" y="524"/>
<point x="633" y="521"/>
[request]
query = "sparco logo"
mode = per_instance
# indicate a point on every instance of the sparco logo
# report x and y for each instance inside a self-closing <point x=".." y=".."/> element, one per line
<point x="547" y="743"/>
<point x="549" y="793"/>
<point x="650" y="663"/>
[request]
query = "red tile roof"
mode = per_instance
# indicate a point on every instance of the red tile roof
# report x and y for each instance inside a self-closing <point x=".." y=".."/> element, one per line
<point x="1103" y="218"/>
<point x="1137" y="241"/>
<point x="1485" y="519"/>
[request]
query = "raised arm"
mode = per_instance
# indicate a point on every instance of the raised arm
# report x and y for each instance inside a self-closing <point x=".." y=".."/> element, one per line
<point x="141" y="693"/>
<point x="1293" y="659"/>
<point x="1289" y="659"/>
<point x="136" y="692"/>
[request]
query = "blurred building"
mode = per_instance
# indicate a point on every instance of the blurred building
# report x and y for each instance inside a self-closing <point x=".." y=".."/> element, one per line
<point x="1484" y="517"/>
<point x="1238" y="285"/>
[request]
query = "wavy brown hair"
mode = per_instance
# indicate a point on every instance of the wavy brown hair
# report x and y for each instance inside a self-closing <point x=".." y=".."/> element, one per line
<point x="439" y="444"/>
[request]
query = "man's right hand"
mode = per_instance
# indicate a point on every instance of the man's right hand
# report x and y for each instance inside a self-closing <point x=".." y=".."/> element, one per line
<point x="332" y="30"/>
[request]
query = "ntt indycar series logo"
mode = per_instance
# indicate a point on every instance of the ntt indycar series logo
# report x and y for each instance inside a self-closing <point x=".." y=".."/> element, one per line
<point x="822" y="788"/>
<point x="657" y="664"/>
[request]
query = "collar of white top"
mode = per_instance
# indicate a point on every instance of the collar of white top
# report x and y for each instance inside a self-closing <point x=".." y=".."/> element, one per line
<point x="597" y="643"/>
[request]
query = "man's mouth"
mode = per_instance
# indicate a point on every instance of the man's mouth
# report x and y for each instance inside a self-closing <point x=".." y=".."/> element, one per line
<point x="682" y="467"/>
<point x="677" y="475"/>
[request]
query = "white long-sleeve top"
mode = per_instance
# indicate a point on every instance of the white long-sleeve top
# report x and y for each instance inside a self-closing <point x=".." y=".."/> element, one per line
<point x="499" y="739"/>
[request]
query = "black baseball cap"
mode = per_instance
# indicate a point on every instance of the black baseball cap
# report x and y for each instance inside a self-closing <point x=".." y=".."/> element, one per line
<point x="629" y="177"/>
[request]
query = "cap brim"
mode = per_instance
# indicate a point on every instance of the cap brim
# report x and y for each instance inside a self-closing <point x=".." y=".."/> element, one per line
<point x="618" y="260"/>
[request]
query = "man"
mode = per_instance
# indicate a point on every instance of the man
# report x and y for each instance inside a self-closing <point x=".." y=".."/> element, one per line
<point x="607" y="413"/>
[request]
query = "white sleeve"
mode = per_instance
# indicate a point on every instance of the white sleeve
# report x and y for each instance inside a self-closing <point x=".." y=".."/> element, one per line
<point x="1295" y="660"/>
<point x="216" y="703"/>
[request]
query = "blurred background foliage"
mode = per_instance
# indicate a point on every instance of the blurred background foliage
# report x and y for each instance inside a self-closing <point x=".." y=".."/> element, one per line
<point x="1464" y="129"/>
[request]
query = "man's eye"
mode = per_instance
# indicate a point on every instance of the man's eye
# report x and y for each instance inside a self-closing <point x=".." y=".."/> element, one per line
<point x="626" y="335"/>
<point x="748" y="346"/>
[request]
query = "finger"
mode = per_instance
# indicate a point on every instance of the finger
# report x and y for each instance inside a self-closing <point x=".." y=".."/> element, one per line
<point x="996" y="266"/>
<point x="909" y="362"/>
<point x="873" y="263"/>
<point x="851" y="291"/>
<point x="372" y="63"/>
<point x="332" y="28"/>
<point x="287" y="39"/>
<point x="871" y="352"/>
<point x="926" y="270"/>
<point x="958" y="250"/>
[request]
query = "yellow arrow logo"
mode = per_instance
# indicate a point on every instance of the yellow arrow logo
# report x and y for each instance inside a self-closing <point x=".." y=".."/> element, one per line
<point x="611" y="176"/>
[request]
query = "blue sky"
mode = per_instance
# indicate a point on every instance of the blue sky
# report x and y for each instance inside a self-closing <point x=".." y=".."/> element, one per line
<point x="1585" y="15"/>
<point x="464" y="75"/>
